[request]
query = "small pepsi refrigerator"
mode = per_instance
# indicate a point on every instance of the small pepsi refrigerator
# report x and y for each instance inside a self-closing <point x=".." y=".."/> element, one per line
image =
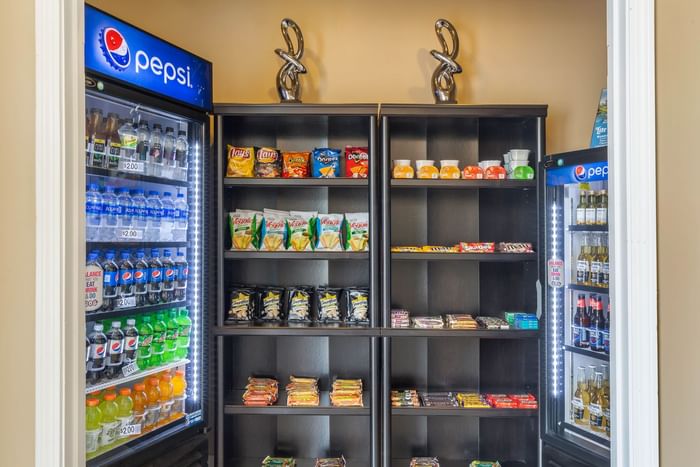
<point x="575" y="420"/>
<point x="146" y="157"/>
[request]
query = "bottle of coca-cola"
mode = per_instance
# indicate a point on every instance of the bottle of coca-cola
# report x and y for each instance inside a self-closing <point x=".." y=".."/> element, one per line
<point x="115" y="350"/>
<point x="98" y="351"/>
<point x="131" y="341"/>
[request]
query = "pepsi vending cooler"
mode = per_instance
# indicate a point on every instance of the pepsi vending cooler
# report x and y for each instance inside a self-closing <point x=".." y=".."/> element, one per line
<point x="147" y="174"/>
<point x="576" y="345"/>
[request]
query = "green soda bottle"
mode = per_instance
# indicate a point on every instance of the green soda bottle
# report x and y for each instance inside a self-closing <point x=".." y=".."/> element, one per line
<point x="171" y="337"/>
<point x="143" y="356"/>
<point x="109" y="422"/>
<point x="93" y="425"/>
<point x="158" y="346"/>
<point x="183" y="338"/>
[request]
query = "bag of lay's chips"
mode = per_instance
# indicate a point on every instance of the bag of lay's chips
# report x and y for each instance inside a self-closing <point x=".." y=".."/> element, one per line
<point x="328" y="236"/>
<point x="356" y="231"/>
<point x="273" y="235"/>
<point x="244" y="230"/>
<point x="325" y="163"/>
<point x="300" y="230"/>
<point x="241" y="161"/>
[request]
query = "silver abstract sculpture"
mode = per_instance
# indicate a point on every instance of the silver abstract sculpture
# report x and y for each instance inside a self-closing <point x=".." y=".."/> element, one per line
<point x="443" y="81"/>
<point x="287" y="78"/>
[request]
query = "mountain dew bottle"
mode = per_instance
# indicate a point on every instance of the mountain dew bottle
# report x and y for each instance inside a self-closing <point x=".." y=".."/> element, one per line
<point x="143" y="356"/>
<point x="171" y="337"/>
<point x="158" y="346"/>
<point x="184" y="324"/>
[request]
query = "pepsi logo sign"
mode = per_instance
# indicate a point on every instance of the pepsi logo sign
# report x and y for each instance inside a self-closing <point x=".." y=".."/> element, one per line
<point x="581" y="174"/>
<point x="115" y="49"/>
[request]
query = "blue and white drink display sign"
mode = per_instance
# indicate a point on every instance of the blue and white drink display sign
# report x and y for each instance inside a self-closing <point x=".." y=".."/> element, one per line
<point x="125" y="53"/>
<point x="580" y="173"/>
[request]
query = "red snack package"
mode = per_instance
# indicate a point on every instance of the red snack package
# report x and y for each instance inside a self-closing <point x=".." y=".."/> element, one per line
<point x="477" y="247"/>
<point x="495" y="173"/>
<point x="472" y="172"/>
<point x="295" y="164"/>
<point x="356" y="162"/>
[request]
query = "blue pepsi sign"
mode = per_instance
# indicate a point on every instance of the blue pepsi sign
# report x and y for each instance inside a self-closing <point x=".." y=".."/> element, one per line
<point x="120" y="51"/>
<point x="581" y="173"/>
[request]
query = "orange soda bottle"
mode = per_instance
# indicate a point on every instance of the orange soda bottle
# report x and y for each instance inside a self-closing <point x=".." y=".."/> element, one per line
<point x="153" y="407"/>
<point x="179" y="397"/>
<point x="140" y="404"/>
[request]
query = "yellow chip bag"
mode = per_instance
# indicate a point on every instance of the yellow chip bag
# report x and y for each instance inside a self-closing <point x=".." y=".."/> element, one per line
<point x="328" y="232"/>
<point x="300" y="230"/>
<point x="357" y="231"/>
<point x="243" y="227"/>
<point x="241" y="161"/>
<point x="274" y="232"/>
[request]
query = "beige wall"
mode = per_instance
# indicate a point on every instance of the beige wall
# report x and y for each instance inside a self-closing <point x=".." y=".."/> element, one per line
<point x="513" y="51"/>
<point x="678" y="116"/>
<point x="17" y="234"/>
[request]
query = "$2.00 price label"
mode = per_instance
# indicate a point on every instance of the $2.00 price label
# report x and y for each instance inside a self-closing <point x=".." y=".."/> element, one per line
<point x="130" y="368"/>
<point x="132" y="166"/>
<point x="555" y="273"/>
<point x="129" y="430"/>
<point x="130" y="234"/>
<point x="126" y="302"/>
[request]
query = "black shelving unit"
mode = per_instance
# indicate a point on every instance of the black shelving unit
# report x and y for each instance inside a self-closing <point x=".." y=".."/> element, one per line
<point x="441" y="212"/>
<point x="245" y="435"/>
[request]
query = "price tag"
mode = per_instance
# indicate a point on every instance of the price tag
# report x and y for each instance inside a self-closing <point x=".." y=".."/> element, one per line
<point x="555" y="273"/>
<point x="126" y="302"/>
<point x="129" y="430"/>
<point x="129" y="369"/>
<point x="132" y="166"/>
<point x="93" y="287"/>
<point x="130" y="234"/>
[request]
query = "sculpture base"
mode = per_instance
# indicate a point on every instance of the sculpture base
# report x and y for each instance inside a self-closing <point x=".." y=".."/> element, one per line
<point x="291" y="101"/>
<point x="451" y="101"/>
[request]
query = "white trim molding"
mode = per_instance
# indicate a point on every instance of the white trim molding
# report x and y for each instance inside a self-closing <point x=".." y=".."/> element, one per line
<point x="632" y="149"/>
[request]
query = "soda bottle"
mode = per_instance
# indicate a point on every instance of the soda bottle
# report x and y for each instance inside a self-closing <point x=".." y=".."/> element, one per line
<point x="153" y="398"/>
<point x="601" y="213"/>
<point x="93" y="121"/>
<point x="181" y="276"/>
<point x="169" y="276"/>
<point x="166" y="397"/>
<point x="596" y="406"/>
<point x="181" y="149"/>
<point x="604" y="266"/>
<point x="581" y="208"/>
<point x="180" y="217"/>
<point x="110" y="424"/>
<point x="142" y="273"/>
<point x="155" y="154"/>
<point x="606" y="334"/>
<point x="99" y="138"/>
<point x="585" y="335"/>
<point x="599" y="326"/>
<point x="110" y="282"/>
<point x="126" y="276"/>
<point x="131" y="341"/>
<point x="110" y="214"/>
<point x="170" y="337"/>
<point x="168" y="220"/>
<point x="580" y="399"/>
<point x="93" y="425"/>
<point x="155" y="215"/>
<point x="583" y="264"/>
<point x="169" y="162"/>
<point x="93" y="212"/>
<point x="179" y="396"/>
<point x="129" y="139"/>
<point x="140" y="217"/>
<point x="98" y="351"/>
<point x="115" y="352"/>
<point x="580" y="336"/>
<point x="591" y="208"/>
<point x="125" y="408"/>
<point x="114" y="142"/>
<point x="155" y="282"/>
<point x="143" y="356"/>
<point x="596" y="264"/>
<point x="140" y="403"/>
<point x="143" y="137"/>
<point x="125" y="207"/>
<point x="183" y="334"/>
<point x="158" y="346"/>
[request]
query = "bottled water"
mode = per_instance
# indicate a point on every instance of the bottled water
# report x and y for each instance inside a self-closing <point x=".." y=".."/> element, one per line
<point x="126" y="208"/>
<point x="140" y="217"/>
<point x="93" y="211"/>
<point x="166" y="224"/>
<point x="110" y="211"/>
<point x="155" y="215"/>
<point x="181" y="213"/>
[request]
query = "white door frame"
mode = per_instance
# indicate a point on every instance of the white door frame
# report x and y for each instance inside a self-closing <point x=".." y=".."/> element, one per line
<point x="60" y="244"/>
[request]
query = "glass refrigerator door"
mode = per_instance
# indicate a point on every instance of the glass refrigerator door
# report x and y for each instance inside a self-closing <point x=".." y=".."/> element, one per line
<point x="578" y="337"/>
<point x="143" y="277"/>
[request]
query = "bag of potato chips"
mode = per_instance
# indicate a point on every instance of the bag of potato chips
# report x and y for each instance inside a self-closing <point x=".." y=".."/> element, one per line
<point x="244" y="226"/>
<point x="274" y="231"/>
<point x="300" y="230"/>
<point x="328" y="236"/>
<point x="357" y="231"/>
<point x="241" y="161"/>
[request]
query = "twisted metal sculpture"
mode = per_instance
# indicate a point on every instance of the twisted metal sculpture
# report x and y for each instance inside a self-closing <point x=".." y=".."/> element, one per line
<point x="287" y="78"/>
<point x="444" y="89"/>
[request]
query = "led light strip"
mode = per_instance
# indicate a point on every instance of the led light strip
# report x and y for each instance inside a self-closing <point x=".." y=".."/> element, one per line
<point x="556" y="353"/>
<point x="194" y="224"/>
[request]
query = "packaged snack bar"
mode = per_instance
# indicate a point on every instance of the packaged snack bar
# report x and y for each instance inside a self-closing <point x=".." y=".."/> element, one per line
<point x="449" y="169"/>
<point x="508" y="247"/>
<point x="406" y="249"/>
<point x="495" y="173"/>
<point x="278" y="462"/>
<point x="357" y="305"/>
<point x="295" y="164"/>
<point x="244" y="229"/>
<point x="242" y="304"/>
<point x="472" y="172"/>
<point x="485" y="464"/>
<point x="300" y="231"/>
<point x="477" y="247"/>
<point x="302" y="392"/>
<point x="424" y="462"/>
<point x="299" y="303"/>
<point x="427" y="322"/>
<point x="328" y="228"/>
<point x="405" y="398"/>
<point x="460" y="321"/>
<point x="356" y="162"/>
<point x="403" y="169"/>
<point x="439" y="249"/>
<point x="241" y="161"/>
<point x="438" y="399"/>
<point x="328" y="304"/>
<point x="325" y="163"/>
<point x="260" y="391"/>
<point x="268" y="163"/>
<point x="471" y="400"/>
<point x="491" y="322"/>
<point x="273" y="231"/>
<point x="330" y="462"/>
<point x="426" y="169"/>
<point x="400" y="318"/>
<point x="346" y="393"/>
<point x="271" y="303"/>
<point x="357" y="231"/>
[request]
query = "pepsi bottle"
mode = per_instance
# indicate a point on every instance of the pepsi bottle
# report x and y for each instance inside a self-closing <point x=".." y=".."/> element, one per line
<point x="155" y="282"/>
<point x="126" y="276"/>
<point x="110" y="278"/>
<point x="181" y="277"/>
<point x="141" y="275"/>
<point x="169" y="271"/>
<point x="131" y="341"/>
<point x="115" y="350"/>
<point x="98" y="351"/>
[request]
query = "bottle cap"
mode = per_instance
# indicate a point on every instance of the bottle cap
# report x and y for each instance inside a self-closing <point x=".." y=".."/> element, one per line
<point x="110" y="396"/>
<point x="137" y="191"/>
<point x="93" y="186"/>
<point x="125" y="255"/>
<point x="169" y="129"/>
<point x="139" y="387"/>
<point x="180" y="372"/>
<point x="92" y="256"/>
<point x="98" y="327"/>
<point x="152" y="193"/>
<point x="157" y="125"/>
<point x="181" y="133"/>
<point x="116" y="324"/>
<point x="167" y="194"/>
<point x="165" y="377"/>
<point x="153" y="381"/>
<point x="155" y="252"/>
<point x="92" y="402"/>
<point x="166" y="253"/>
<point x="140" y="254"/>
<point x="109" y="255"/>
<point x="143" y="123"/>
<point x="125" y="392"/>
<point x="109" y="189"/>
<point x="130" y="322"/>
<point x="146" y="319"/>
<point x="180" y="195"/>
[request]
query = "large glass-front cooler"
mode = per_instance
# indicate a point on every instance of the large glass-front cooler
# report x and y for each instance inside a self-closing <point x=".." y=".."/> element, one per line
<point x="577" y="300"/>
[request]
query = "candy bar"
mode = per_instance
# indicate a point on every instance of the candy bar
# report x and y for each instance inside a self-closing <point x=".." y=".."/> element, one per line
<point x="477" y="247"/>
<point x="405" y="398"/>
<point x="346" y="393"/>
<point x="425" y="462"/>
<point x="400" y="319"/>
<point x="427" y="322"/>
<point x="438" y="399"/>
<point x="439" y="249"/>
<point x="330" y="462"/>
<point x="278" y="462"/>
<point x="460" y="321"/>
<point x="490" y="322"/>
<point x="506" y="247"/>
<point x="302" y="392"/>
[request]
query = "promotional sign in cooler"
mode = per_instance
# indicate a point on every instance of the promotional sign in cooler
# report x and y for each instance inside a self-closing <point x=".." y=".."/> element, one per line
<point x="145" y="155"/>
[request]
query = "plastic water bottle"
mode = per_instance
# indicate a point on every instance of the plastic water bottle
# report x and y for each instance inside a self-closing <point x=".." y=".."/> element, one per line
<point x="167" y="222"/>
<point x="182" y="148"/>
<point x="93" y="211"/>
<point x="140" y="218"/>
<point x="110" y="214"/>
<point x="181" y="213"/>
<point x="155" y="214"/>
<point x="126" y="209"/>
